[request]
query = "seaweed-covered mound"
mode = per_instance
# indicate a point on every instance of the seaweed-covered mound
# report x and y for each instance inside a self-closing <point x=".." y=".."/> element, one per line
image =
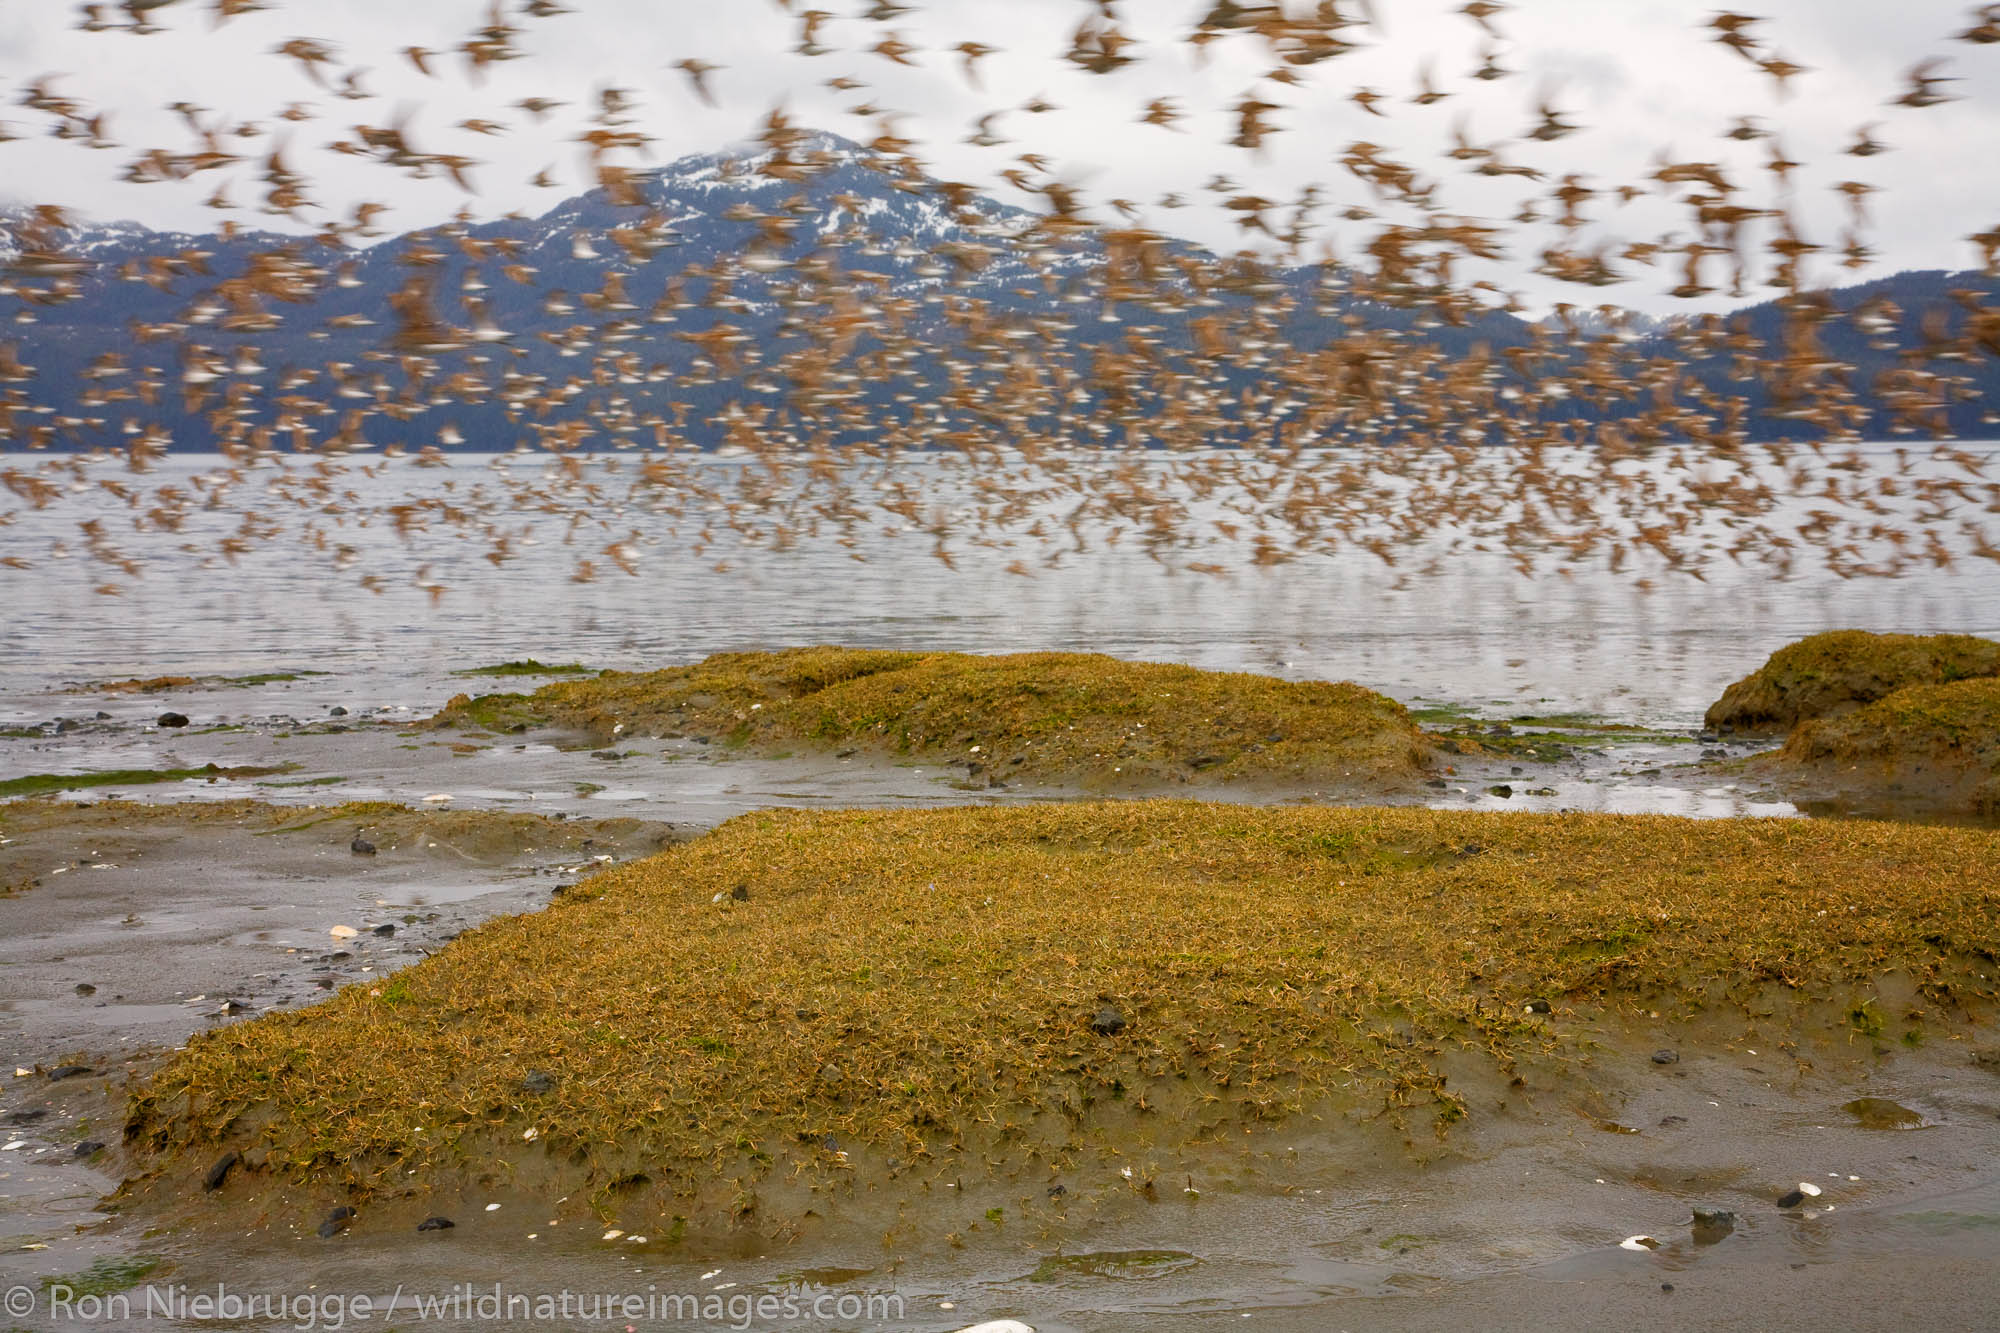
<point x="1936" y="746"/>
<point x="808" y="1005"/>
<point x="1042" y="716"/>
<point x="1832" y="673"/>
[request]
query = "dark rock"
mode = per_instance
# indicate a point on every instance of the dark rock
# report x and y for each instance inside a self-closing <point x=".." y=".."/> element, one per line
<point x="336" y="1222"/>
<point x="740" y="894"/>
<point x="1107" y="1022"/>
<point x="1502" y="790"/>
<point x="85" y="988"/>
<point x="606" y="754"/>
<point x="539" y="1081"/>
<point x="88" y="1148"/>
<point x="234" y="1007"/>
<point x="1540" y="1007"/>
<point x="1436" y="784"/>
<point x="436" y="1224"/>
<point x="1669" y="1121"/>
<point x="101" y="715"/>
<point x="1057" y="1191"/>
<point x="1791" y="1199"/>
<point x="62" y="1072"/>
<point x="361" y="846"/>
<point x="336" y="711"/>
<point x="1666" y="1057"/>
<point x="845" y="754"/>
<point x="172" y="720"/>
<point x="1275" y="738"/>
<point x="386" y="929"/>
<point x="220" y="1171"/>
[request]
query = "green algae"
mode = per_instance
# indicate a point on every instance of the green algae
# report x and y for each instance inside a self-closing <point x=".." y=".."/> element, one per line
<point x="1835" y="672"/>
<point x="1042" y="716"/>
<point x="927" y="985"/>
<point x="528" y="667"/>
<point x="41" y="784"/>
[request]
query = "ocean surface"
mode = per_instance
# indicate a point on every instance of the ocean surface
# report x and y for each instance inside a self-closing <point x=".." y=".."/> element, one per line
<point x="1440" y="626"/>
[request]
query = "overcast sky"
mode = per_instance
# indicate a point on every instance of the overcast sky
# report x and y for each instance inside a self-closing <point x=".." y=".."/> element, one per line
<point x="1641" y="76"/>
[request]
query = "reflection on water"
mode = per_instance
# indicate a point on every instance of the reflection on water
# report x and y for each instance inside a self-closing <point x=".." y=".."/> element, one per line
<point x="1473" y="632"/>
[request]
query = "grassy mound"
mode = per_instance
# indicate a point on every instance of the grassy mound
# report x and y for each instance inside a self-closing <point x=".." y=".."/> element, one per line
<point x="1937" y="745"/>
<point x="816" y="1002"/>
<point x="1040" y="716"/>
<point x="1835" y="672"/>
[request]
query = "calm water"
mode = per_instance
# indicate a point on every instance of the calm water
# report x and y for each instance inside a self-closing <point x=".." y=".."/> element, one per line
<point x="1474" y="632"/>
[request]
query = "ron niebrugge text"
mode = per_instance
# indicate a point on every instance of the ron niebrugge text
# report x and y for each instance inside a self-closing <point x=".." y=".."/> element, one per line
<point x="467" y="1302"/>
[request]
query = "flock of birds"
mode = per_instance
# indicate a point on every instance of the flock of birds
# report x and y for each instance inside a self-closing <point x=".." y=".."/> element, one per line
<point x="1191" y="422"/>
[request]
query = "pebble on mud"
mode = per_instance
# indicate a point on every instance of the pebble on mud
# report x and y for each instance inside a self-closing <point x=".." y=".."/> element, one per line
<point x="172" y="720"/>
<point x="361" y="846"/>
<point x="539" y="1081"/>
<point x="1791" y="1199"/>
<point x="1666" y="1057"/>
<point x="1107" y="1022"/>
<point x="1711" y="1224"/>
<point x="336" y="1222"/>
<point x="88" y="1148"/>
<point x="60" y="1073"/>
<point x="436" y="1224"/>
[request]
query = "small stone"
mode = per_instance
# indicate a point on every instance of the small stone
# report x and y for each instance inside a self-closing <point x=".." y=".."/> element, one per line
<point x="62" y="1072"/>
<point x="539" y="1081"/>
<point x="1057" y="1191"/>
<point x="1502" y="790"/>
<point x="88" y="1148"/>
<point x="1540" y="1007"/>
<point x="436" y="1224"/>
<point x="336" y="1222"/>
<point x="1666" y="1057"/>
<point x="85" y="988"/>
<point x="1669" y="1121"/>
<point x="343" y="932"/>
<point x="830" y="1074"/>
<point x="336" y="711"/>
<point x="220" y="1171"/>
<point x="101" y="715"/>
<point x="1791" y="1199"/>
<point x="1107" y="1022"/>
<point x="361" y="846"/>
<point x="386" y="929"/>
<point x="1436" y="784"/>
<point x="172" y="720"/>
